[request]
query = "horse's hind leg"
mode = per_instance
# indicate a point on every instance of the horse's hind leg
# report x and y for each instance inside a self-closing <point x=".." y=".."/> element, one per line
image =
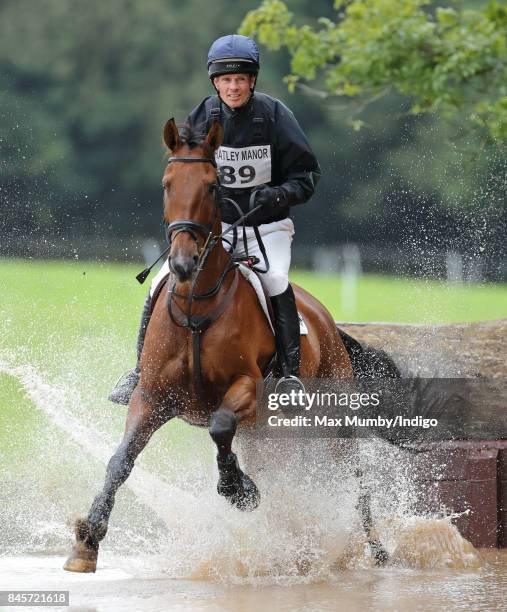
<point x="142" y="422"/>
<point x="378" y="552"/>
<point x="233" y="484"/>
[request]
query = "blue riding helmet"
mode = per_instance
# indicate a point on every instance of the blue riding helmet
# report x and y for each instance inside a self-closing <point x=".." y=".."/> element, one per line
<point x="233" y="53"/>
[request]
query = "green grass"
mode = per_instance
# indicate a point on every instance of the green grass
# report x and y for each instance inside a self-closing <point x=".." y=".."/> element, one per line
<point x="402" y="300"/>
<point x="89" y="312"/>
<point x="18" y="419"/>
<point x="76" y="324"/>
<point x="68" y="303"/>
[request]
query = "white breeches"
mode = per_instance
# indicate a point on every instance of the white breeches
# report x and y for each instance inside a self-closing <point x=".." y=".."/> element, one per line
<point x="277" y="239"/>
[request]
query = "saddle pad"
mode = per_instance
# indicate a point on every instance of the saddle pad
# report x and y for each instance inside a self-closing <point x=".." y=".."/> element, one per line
<point x="254" y="280"/>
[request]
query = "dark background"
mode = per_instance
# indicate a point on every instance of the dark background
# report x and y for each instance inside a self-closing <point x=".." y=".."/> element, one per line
<point x="86" y="86"/>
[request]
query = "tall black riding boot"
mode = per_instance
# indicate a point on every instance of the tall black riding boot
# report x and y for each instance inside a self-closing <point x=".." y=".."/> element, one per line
<point x="288" y="342"/>
<point x="128" y="382"/>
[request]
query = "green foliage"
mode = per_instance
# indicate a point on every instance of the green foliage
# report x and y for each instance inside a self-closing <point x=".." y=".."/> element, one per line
<point x="86" y="86"/>
<point x="448" y="60"/>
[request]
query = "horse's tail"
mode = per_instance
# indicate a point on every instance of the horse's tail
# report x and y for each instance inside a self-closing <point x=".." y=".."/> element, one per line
<point x="368" y="362"/>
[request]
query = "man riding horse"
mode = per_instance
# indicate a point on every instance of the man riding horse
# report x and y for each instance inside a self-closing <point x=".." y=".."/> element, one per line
<point x="265" y="151"/>
<point x="209" y="342"/>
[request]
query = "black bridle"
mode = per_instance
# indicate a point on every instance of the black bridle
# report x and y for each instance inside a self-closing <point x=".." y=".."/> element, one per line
<point x="191" y="227"/>
<point x="197" y="324"/>
<point x="206" y="231"/>
<point x="187" y="225"/>
<point x="211" y="240"/>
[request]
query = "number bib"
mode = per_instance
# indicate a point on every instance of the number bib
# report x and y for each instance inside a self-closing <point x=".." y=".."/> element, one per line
<point x="245" y="167"/>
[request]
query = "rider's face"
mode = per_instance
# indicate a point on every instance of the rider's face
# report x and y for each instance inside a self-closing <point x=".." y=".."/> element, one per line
<point x="234" y="89"/>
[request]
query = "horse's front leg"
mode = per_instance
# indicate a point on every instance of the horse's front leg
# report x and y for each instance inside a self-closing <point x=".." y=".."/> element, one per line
<point x="238" y="404"/>
<point x="142" y="421"/>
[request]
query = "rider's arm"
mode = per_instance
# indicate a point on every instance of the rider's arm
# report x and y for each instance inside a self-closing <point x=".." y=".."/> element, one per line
<point x="298" y="170"/>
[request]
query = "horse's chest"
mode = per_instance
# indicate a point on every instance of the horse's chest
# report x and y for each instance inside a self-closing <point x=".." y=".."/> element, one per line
<point x="191" y="366"/>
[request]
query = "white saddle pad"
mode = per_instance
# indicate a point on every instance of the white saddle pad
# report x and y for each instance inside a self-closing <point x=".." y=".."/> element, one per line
<point x="254" y="280"/>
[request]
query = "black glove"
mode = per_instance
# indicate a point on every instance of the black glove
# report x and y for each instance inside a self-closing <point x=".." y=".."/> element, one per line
<point x="269" y="196"/>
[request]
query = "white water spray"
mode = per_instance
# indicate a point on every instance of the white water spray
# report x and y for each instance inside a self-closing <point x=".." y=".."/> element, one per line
<point x="305" y="523"/>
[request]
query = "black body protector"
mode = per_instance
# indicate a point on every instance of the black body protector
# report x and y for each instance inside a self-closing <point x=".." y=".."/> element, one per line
<point x="262" y="144"/>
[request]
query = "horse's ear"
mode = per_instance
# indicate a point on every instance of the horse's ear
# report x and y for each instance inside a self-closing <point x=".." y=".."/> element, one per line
<point x="171" y="135"/>
<point x="215" y="136"/>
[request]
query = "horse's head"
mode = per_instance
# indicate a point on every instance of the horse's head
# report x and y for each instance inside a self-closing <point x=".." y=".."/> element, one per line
<point x="190" y="195"/>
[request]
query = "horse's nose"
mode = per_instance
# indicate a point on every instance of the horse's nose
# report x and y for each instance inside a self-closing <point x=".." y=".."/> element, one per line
<point x="183" y="266"/>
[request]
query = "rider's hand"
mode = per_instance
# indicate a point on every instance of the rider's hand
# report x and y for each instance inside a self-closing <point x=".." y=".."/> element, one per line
<point x="269" y="196"/>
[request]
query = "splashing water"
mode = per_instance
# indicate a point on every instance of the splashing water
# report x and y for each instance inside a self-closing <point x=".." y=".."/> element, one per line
<point x="305" y="528"/>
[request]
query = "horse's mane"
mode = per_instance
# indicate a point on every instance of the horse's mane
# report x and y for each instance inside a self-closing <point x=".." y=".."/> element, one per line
<point x="193" y="137"/>
<point x="190" y="136"/>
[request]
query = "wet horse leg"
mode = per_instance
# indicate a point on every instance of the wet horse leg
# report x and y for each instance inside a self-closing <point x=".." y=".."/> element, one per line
<point x="233" y="483"/>
<point x="142" y="421"/>
<point x="378" y="552"/>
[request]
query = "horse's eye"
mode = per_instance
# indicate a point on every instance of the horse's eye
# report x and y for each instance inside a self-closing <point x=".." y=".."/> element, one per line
<point x="212" y="187"/>
<point x="166" y="186"/>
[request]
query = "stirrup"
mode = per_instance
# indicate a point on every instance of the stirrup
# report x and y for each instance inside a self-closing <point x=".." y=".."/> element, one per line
<point x="293" y="383"/>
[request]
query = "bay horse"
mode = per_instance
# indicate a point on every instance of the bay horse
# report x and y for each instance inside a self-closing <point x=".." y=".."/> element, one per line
<point x="207" y="343"/>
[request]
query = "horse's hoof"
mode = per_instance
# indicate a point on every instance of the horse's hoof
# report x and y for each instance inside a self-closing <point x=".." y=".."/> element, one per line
<point x="379" y="553"/>
<point x="82" y="559"/>
<point x="247" y="497"/>
<point x="243" y="493"/>
<point x="236" y="486"/>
